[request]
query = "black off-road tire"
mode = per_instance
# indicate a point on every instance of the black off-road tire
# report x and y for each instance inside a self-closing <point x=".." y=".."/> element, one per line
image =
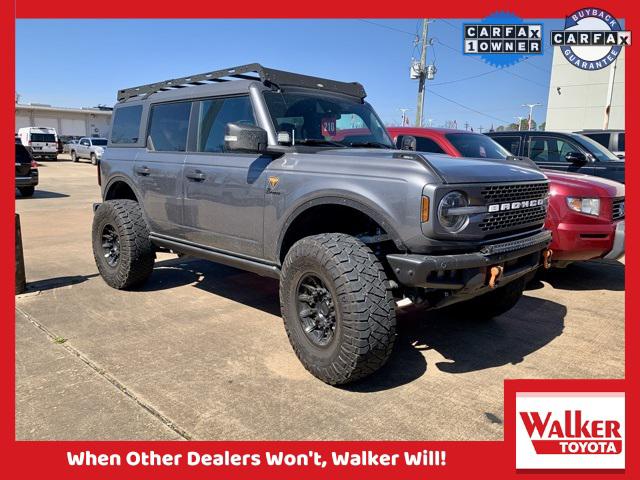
<point x="94" y="159"/>
<point x="134" y="265"/>
<point x="365" y="317"/>
<point x="74" y="156"/>
<point x="27" y="191"/>
<point x="495" y="303"/>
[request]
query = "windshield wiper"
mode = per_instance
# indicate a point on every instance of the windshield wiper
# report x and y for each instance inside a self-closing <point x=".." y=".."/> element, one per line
<point x="369" y="144"/>
<point x="318" y="141"/>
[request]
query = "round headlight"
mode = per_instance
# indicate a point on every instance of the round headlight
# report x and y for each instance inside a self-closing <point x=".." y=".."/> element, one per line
<point x="449" y="220"/>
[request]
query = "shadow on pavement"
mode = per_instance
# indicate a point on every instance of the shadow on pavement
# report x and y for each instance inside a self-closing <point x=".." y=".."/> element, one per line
<point x="57" y="282"/>
<point x="466" y="343"/>
<point x="41" y="194"/>
<point x="582" y="276"/>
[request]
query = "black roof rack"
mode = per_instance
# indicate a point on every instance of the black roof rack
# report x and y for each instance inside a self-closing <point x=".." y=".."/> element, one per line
<point x="252" y="71"/>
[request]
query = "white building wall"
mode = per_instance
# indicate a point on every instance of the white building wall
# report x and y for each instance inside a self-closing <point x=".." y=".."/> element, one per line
<point x="66" y="121"/>
<point x="582" y="99"/>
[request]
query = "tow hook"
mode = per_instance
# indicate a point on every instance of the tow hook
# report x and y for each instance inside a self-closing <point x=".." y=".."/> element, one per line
<point x="494" y="275"/>
<point x="547" y="253"/>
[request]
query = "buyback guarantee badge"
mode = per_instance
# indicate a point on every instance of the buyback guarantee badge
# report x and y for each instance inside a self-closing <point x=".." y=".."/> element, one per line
<point x="502" y="39"/>
<point x="592" y="38"/>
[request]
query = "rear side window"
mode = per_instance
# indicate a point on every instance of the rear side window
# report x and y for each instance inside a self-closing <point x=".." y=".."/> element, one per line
<point x="424" y="144"/>
<point x="168" y="127"/>
<point x="43" y="137"/>
<point x="621" y="142"/>
<point x="214" y="116"/>
<point x="126" y="124"/>
<point x="22" y="154"/>
<point x="510" y="143"/>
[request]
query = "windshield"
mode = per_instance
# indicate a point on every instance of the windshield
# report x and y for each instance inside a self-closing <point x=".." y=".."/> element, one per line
<point x="99" y="141"/>
<point x="477" y="146"/>
<point x="595" y="149"/>
<point x="322" y="119"/>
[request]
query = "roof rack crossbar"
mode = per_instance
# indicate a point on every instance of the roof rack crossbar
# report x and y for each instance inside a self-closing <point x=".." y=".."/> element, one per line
<point x="268" y="76"/>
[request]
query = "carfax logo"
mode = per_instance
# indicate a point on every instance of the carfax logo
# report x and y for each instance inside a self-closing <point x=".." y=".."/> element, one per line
<point x="592" y="38"/>
<point x="570" y="430"/>
<point x="502" y="39"/>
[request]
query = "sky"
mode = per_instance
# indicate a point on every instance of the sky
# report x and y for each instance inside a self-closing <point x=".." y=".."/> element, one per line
<point x="81" y="63"/>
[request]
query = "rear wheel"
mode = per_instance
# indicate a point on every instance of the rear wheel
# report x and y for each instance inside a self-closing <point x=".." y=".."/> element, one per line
<point x="74" y="156"/>
<point x="121" y="246"/>
<point x="94" y="159"/>
<point x="337" y="307"/>
<point x="27" y="191"/>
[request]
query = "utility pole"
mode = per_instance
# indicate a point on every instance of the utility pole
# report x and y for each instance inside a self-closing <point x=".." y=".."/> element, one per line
<point x="531" y="107"/>
<point x="405" y="120"/>
<point x="422" y="71"/>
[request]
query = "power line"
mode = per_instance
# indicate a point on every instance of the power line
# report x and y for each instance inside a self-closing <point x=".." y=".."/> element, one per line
<point x="464" y="78"/>
<point x="469" y="108"/>
<point x="388" y="27"/>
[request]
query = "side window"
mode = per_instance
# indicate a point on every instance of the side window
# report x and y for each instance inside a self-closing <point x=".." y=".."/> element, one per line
<point x="424" y="144"/>
<point x="548" y="149"/>
<point x="85" y="142"/>
<point x="126" y="124"/>
<point x="510" y="143"/>
<point x="214" y="116"/>
<point x="621" y="142"/>
<point x="168" y="127"/>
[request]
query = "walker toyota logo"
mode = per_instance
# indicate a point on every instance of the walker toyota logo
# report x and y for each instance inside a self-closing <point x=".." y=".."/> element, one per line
<point x="592" y="38"/>
<point x="570" y="430"/>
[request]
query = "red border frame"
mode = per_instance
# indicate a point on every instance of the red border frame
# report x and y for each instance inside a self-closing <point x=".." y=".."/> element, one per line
<point x="464" y="459"/>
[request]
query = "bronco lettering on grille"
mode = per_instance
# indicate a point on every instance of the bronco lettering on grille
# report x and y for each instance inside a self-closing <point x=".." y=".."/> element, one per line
<point x="500" y="207"/>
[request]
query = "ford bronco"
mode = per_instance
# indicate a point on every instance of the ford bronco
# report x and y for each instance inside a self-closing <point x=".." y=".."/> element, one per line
<point x="250" y="167"/>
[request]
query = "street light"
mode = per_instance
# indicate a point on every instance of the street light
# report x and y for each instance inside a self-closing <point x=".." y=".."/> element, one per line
<point x="519" y="122"/>
<point x="531" y="107"/>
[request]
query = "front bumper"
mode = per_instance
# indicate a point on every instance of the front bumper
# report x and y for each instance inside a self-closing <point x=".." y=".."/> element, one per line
<point x="618" y="243"/>
<point x="468" y="271"/>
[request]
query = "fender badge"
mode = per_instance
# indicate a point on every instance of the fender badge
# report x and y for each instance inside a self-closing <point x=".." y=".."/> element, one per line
<point x="273" y="182"/>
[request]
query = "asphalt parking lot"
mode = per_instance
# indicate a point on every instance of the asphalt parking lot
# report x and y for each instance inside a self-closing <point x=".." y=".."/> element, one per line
<point x="201" y="352"/>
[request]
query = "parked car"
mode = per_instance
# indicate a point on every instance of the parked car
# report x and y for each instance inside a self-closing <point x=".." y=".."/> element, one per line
<point x="88" y="147"/>
<point x="26" y="171"/>
<point x="566" y="152"/>
<point x="249" y="172"/>
<point x="586" y="213"/>
<point x="43" y="141"/>
<point x="612" y="140"/>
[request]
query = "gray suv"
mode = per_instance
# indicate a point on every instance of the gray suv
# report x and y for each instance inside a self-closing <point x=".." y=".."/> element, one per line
<point x="295" y="177"/>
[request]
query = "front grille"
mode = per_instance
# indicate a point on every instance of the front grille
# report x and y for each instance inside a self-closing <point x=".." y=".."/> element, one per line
<point x="513" y="193"/>
<point x="513" y="218"/>
<point x="618" y="208"/>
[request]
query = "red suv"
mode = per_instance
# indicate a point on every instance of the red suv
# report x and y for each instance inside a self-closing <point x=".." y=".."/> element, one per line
<point x="586" y="214"/>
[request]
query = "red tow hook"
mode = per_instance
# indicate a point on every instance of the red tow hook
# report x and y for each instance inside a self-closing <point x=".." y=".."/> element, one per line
<point x="495" y="273"/>
<point x="547" y="253"/>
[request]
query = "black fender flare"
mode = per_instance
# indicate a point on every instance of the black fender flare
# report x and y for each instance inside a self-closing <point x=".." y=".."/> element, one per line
<point x="380" y="218"/>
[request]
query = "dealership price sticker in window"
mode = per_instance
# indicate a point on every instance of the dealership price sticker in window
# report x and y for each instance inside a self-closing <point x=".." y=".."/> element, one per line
<point x="570" y="430"/>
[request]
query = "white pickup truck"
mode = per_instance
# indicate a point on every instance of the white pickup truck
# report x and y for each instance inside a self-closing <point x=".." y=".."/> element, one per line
<point x="90" y="148"/>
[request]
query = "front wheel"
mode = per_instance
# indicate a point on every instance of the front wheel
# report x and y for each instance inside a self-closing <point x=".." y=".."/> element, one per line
<point x="337" y="307"/>
<point x="94" y="159"/>
<point x="122" y="250"/>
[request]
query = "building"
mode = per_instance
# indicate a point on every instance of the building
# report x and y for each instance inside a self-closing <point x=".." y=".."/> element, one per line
<point x="84" y="122"/>
<point x="585" y="99"/>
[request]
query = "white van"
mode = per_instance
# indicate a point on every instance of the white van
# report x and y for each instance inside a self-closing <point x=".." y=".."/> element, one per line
<point x="42" y="140"/>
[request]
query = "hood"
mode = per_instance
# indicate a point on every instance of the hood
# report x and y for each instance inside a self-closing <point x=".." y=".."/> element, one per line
<point x="564" y="183"/>
<point x="454" y="170"/>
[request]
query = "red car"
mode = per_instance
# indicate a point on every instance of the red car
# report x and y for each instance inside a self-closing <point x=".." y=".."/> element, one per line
<point x="586" y="214"/>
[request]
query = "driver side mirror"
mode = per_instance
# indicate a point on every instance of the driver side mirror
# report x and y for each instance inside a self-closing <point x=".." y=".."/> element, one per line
<point x="406" y="142"/>
<point x="577" y="158"/>
<point x="245" y="138"/>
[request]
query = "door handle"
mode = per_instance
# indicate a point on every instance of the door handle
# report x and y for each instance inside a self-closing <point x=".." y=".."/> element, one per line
<point x="144" y="170"/>
<point x="196" y="176"/>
